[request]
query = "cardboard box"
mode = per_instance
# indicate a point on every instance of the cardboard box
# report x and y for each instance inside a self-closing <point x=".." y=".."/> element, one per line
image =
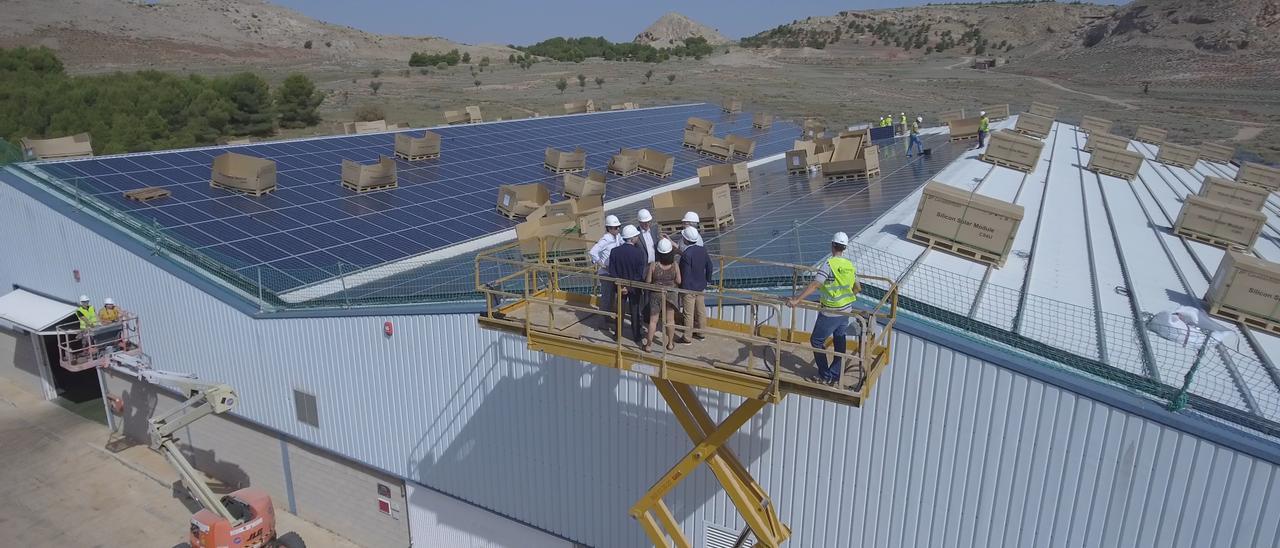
<point x="964" y="128"/>
<point x="813" y="129"/>
<point x="455" y="117"/>
<point x="1034" y="125"/>
<point x="971" y="225"/>
<point x="1226" y="225"/>
<point x="693" y="138"/>
<point x="1042" y="109"/>
<point x="714" y="207"/>
<point x="1246" y="286"/>
<point x="417" y="148"/>
<point x="950" y="115"/>
<point x="1152" y="135"/>
<point x="1258" y="175"/>
<point x="761" y="120"/>
<point x="520" y="200"/>
<point x="71" y="146"/>
<point x="625" y="162"/>
<point x="360" y="128"/>
<point x="1232" y="193"/>
<point x="401" y="125"/>
<point x="798" y="160"/>
<point x="580" y="107"/>
<point x="997" y="112"/>
<point x="699" y="124"/>
<point x="248" y="174"/>
<point x="715" y="147"/>
<point x="625" y="106"/>
<point x="1092" y="125"/>
<point x="567" y="208"/>
<point x="1109" y="140"/>
<point x="563" y="235"/>
<point x="577" y="186"/>
<point x="561" y="161"/>
<point x="1014" y="151"/>
<point x="852" y="157"/>
<point x="731" y="106"/>
<point x="245" y="141"/>
<point x="656" y="163"/>
<point x="1115" y="162"/>
<point x="360" y="177"/>
<point x="734" y="175"/>
<point x="1215" y="152"/>
<point x="1178" y="155"/>
<point x="742" y="146"/>
<point x="473" y="115"/>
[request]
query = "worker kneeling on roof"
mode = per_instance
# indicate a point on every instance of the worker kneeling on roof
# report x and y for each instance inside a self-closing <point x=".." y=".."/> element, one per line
<point x="837" y="279"/>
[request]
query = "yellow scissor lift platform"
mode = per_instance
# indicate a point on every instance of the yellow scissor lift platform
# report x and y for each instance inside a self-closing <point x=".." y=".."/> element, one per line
<point x="553" y="304"/>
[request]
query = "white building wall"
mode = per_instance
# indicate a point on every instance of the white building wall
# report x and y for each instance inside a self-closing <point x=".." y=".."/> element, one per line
<point x="950" y="450"/>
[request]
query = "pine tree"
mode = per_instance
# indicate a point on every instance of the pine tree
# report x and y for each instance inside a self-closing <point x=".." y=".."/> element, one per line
<point x="297" y="101"/>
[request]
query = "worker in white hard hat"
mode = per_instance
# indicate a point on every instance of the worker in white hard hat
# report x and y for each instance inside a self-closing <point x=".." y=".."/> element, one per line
<point x="984" y="127"/>
<point x="902" y="123"/>
<point x="696" y="273"/>
<point x="914" y="141"/>
<point x="110" y="312"/>
<point x="87" y="315"/>
<point x="600" y="257"/>
<point x="664" y="273"/>
<point x="644" y="223"/>
<point x="837" y="279"/>
<point x="627" y="263"/>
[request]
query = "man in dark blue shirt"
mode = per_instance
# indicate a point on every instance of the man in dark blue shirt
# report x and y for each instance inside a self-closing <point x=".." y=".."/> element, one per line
<point x="695" y="274"/>
<point x="628" y="262"/>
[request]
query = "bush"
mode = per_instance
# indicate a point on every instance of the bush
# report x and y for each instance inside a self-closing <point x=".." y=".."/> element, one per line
<point x="561" y="84"/>
<point x="671" y="78"/>
<point x="477" y="82"/>
<point x="466" y="57"/>
<point x="580" y="49"/>
<point x="306" y="45"/>
<point x="297" y="101"/>
<point x="376" y="73"/>
<point x="375" y="86"/>
<point x="370" y="113"/>
<point x="422" y="59"/>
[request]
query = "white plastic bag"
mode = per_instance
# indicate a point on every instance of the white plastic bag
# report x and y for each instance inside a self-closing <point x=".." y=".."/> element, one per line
<point x="1188" y="326"/>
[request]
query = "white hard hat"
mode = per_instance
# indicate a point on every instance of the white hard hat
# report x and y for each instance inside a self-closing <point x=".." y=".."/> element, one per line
<point x="84" y="298"/>
<point x="612" y="220"/>
<point x="690" y="234"/>
<point x="644" y="216"/>
<point x="691" y="217"/>
<point x="629" y="232"/>
<point x="919" y="118"/>
<point x="108" y="301"/>
<point x="664" y="246"/>
<point x="840" y="238"/>
<point x="983" y="113"/>
<point x="902" y="114"/>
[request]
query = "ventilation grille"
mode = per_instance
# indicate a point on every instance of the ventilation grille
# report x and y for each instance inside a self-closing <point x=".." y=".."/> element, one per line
<point x="305" y="406"/>
<point x="723" y="537"/>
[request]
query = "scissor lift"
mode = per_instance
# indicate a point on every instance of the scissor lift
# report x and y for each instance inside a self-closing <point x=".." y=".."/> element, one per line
<point x="554" y="306"/>
<point x="81" y="349"/>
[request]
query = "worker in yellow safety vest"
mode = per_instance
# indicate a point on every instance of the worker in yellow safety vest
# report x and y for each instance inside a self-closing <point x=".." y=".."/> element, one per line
<point x="902" y="123"/>
<point x="837" y="279"/>
<point x="886" y="120"/>
<point x="914" y="142"/>
<point x="86" y="314"/>
<point x="984" y="127"/>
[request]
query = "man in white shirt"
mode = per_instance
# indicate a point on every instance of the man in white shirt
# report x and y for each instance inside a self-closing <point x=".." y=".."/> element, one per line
<point x="645" y="224"/>
<point x="600" y="257"/>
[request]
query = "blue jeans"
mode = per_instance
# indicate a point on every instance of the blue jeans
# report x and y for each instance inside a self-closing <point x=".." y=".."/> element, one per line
<point x="915" y="143"/>
<point x="982" y="138"/>
<point x="829" y="326"/>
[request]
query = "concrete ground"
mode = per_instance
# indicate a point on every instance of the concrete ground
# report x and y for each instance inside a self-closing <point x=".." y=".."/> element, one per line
<point x="66" y="481"/>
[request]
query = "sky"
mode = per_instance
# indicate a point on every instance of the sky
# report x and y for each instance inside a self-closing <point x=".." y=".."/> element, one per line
<point x="523" y="22"/>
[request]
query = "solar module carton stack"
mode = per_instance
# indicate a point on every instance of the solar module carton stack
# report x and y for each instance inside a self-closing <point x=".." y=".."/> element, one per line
<point x="364" y="178"/>
<point x="1264" y="177"/>
<point x="1116" y="162"/>
<point x="566" y="229"/>
<point x="964" y="128"/>
<point x="976" y="227"/>
<point x="715" y="147"/>
<point x="1232" y="193"/>
<point x="1218" y="153"/>
<point x="656" y="163"/>
<point x="714" y="207"/>
<point x="1219" y="224"/>
<point x="248" y="174"/>
<point x="580" y="107"/>
<point x="731" y="106"/>
<point x="1151" y="135"/>
<point x="473" y="114"/>
<point x="851" y="158"/>
<point x="997" y="112"/>
<point x="518" y="201"/>
<point x="360" y="128"/>
<point x="950" y="115"/>
<point x="742" y="146"/>
<point x="1042" y="109"/>
<point x="1246" y="290"/>
<point x="577" y="186"/>
<point x="694" y="130"/>
<point x="761" y="120"/>
<point x="245" y="141"/>
<point x="1105" y="139"/>
<point x="559" y="161"/>
<point x="71" y="146"/>
<point x="1093" y="125"/>
<point x="414" y="149"/>
<point x="455" y="117"/>
<point x="734" y="175"/>
<point x="625" y="162"/>
<point x="813" y="129"/>
<point x="1014" y="151"/>
<point x="1033" y="125"/>
<point x="625" y="106"/>
<point x="1178" y="155"/>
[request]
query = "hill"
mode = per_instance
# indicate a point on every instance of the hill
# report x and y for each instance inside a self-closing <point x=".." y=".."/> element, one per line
<point x="123" y="33"/>
<point x="673" y="29"/>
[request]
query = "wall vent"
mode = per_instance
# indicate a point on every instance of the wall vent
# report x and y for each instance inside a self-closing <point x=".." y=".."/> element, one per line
<point x="723" y="537"/>
<point x="305" y="406"/>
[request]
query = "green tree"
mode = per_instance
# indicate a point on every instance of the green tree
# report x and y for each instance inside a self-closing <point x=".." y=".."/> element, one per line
<point x="375" y="86"/>
<point x="298" y="101"/>
<point x="582" y="82"/>
<point x="561" y="84"/>
<point x="466" y="57"/>
<point x="671" y="79"/>
<point x="477" y="82"/>
<point x="250" y="97"/>
<point x="599" y="82"/>
<point x="484" y="62"/>
<point x="511" y="59"/>
<point x="376" y="73"/>
<point x="647" y="75"/>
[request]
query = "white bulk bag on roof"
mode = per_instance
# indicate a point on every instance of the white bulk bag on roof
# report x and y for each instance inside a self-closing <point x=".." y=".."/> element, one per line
<point x="1188" y="326"/>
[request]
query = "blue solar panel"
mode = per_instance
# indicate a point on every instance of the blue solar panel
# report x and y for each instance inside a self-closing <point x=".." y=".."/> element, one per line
<point x="310" y="224"/>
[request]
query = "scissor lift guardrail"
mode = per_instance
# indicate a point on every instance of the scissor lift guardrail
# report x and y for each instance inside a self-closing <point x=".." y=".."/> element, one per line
<point x="554" y="305"/>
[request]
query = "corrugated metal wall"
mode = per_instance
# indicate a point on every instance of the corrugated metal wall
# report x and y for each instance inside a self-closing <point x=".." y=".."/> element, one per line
<point x="950" y="450"/>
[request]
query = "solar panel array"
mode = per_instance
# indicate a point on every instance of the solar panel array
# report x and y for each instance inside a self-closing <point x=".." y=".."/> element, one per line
<point x="311" y="228"/>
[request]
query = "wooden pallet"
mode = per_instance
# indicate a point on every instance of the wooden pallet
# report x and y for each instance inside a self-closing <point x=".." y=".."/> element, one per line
<point x="1003" y="163"/>
<point x="654" y="173"/>
<point x="1175" y="164"/>
<point x="740" y="185"/>
<point x="687" y="145"/>
<point x="758" y="126"/>
<point x="1031" y="134"/>
<point x="1245" y="319"/>
<point x="721" y="157"/>
<point x="1112" y="173"/>
<point x="363" y="190"/>
<point x="1210" y="240"/>
<point x="706" y="225"/>
<point x="964" y="137"/>
<point x="254" y="193"/>
<point x="511" y="215"/>
<point x="147" y="194"/>
<point x="855" y="176"/>
<point x="622" y="173"/>
<point x="409" y="158"/>
<point x="960" y="250"/>
<point x="554" y="169"/>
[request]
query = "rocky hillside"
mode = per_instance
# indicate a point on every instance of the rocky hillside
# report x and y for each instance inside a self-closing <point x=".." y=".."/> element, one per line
<point x="99" y="34"/>
<point x="673" y="28"/>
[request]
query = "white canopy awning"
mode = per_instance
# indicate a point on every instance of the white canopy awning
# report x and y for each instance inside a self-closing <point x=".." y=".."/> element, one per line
<point x="31" y="311"/>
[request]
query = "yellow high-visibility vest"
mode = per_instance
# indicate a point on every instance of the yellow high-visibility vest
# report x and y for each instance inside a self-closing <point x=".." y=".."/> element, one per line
<point x="87" y="315"/>
<point x="837" y="291"/>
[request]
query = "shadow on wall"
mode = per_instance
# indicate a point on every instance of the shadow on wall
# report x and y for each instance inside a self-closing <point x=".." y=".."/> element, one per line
<point x="546" y="439"/>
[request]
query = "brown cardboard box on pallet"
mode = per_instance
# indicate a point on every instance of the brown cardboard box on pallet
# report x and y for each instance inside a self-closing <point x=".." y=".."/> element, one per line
<point x="656" y="163"/>
<point x="1219" y="224"/>
<point x="571" y="234"/>
<point x="1014" y="151"/>
<point x="997" y="112"/>
<point x="520" y="200"/>
<point x="1219" y="153"/>
<point x="1109" y="140"/>
<point x="624" y="106"/>
<point x="812" y="129"/>
<point x="799" y="160"/>
<point x="414" y="149"/>
<point x="1178" y="155"/>
<point x="248" y="174"/>
<point x="950" y="115"/>
<point x="625" y="162"/>
<point x="473" y="115"/>
<point x="455" y="117"/>
<point x="1247" y="290"/>
<point x="561" y="161"/>
<point x="742" y="146"/>
<point x="1260" y="176"/>
<point x="580" y="107"/>
<point x="1230" y="192"/>
<point x="577" y="186"/>
<point x="360" y="177"/>
<point x="1033" y="125"/>
<point x="1092" y="125"/>
<point x="964" y="128"/>
<point x="852" y="158"/>
<point x="713" y="205"/>
<point x="360" y="128"/>
<point x="1151" y="135"/>
<point x="1042" y="109"/>
<point x="761" y="120"/>
<point x="1115" y="162"/>
<point x="731" y="106"/>
<point x="970" y="225"/>
<point x="71" y="146"/>
<point x="693" y="138"/>
<point x="716" y="147"/>
<point x="734" y="175"/>
<point x="701" y="125"/>
<point x="567" y="208"/>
